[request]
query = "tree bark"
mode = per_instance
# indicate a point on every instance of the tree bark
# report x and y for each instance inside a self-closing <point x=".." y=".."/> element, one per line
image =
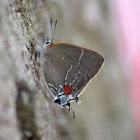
<point x="25" y="113"/>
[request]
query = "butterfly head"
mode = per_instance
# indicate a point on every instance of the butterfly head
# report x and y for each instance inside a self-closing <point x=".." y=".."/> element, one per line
<point x="50" y="42"/>
<point x="47" y="44"/>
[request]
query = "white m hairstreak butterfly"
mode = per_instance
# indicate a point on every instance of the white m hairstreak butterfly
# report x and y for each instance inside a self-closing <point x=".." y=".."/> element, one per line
<point x="67" y="69"/>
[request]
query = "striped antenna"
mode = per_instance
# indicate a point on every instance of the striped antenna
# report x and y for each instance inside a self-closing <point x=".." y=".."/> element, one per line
<point x="53" y="30"/>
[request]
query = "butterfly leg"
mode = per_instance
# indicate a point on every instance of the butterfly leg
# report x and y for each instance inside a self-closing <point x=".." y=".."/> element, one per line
<point x="70" y="109"/>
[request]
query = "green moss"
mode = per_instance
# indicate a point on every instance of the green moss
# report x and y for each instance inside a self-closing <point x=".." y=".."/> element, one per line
<point x="23" y="7"/>
<point x="25" y="109"/>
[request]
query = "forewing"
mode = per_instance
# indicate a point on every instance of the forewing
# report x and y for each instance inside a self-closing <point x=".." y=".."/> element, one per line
<point x="73" y="65"/>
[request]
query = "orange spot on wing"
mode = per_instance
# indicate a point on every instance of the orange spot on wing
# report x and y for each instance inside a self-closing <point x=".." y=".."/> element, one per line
<point x="67" y="89"/>
<point x="52" y="45"/>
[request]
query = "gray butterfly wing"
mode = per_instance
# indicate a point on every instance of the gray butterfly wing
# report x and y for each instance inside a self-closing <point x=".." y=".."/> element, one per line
<point x="70" y="65"/>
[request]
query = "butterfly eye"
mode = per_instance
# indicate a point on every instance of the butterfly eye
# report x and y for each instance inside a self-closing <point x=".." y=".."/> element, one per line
<point x="48" y="42"/>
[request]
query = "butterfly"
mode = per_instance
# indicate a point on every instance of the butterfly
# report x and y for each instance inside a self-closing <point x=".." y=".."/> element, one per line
<point x="67" y="69"/>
